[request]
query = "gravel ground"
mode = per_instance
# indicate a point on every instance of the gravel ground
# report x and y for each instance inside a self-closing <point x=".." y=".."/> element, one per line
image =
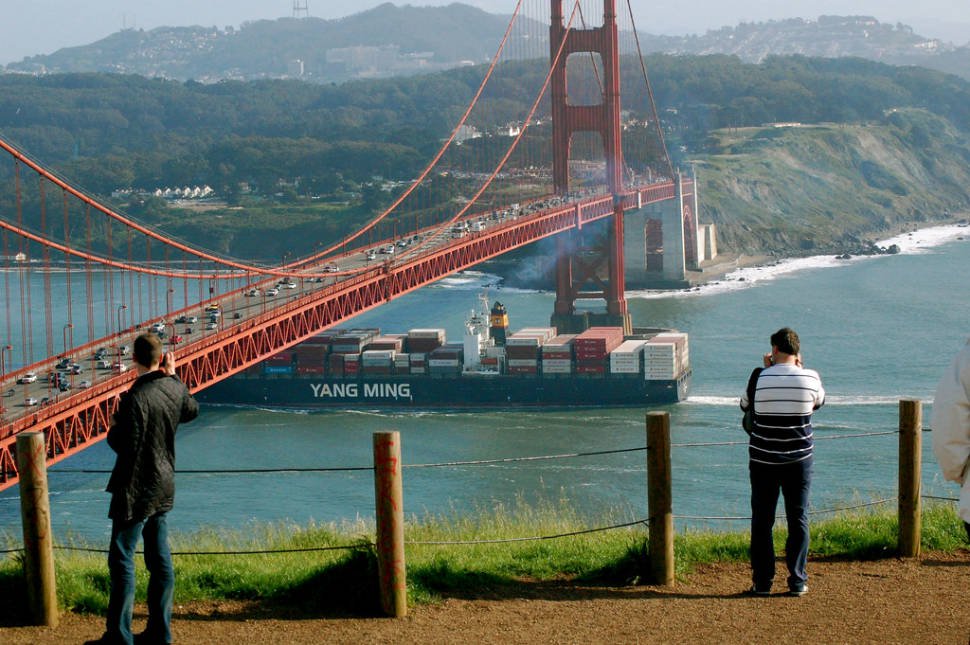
<point x="884" y="601"/>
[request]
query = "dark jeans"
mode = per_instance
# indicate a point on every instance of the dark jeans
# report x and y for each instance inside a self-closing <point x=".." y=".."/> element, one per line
<point x="793" y="481"/>
<point x="161" y="580"/>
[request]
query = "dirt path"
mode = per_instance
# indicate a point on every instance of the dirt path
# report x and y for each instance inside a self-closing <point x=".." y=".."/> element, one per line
<point x="887" y="601"/>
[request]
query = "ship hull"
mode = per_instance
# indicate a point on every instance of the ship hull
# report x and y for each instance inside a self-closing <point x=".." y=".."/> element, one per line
<point x="468" y="391"/>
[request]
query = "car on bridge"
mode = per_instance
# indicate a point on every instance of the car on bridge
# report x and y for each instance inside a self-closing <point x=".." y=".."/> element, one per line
<point x="187" y="320"/>
<point x="273" y="291"/>
<point x="30" y="402"/>
<point x="331" y="268"/>
<point x="252" y="293"/>
<point x="175" y="339"/>
<point x="211" y="325"/>
<point x="287" y="284"/>
<point x="29" y="377"/>
<point x="84" y="384"/>
<point x="119" y="367"/>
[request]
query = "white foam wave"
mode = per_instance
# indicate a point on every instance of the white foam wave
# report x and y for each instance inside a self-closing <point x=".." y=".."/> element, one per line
<point x="476" y="281"/>
<point x="864" y="399"/>
<point x="917" y="242"/>
<point x="873" y="399"/>
<point x="713" y="400"/>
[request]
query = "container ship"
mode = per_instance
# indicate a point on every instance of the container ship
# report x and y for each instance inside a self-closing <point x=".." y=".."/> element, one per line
<point x="491" y="367"/>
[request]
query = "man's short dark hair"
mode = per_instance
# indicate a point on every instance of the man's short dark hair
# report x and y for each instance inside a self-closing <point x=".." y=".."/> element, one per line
<point x="786" y="340"/>
<point x="148" y="350"/>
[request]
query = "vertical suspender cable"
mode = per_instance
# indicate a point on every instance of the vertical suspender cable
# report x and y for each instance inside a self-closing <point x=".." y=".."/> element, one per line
<point x="152" y="309"/>
<point x="26" y="323"/>
<point x="7" y="331"/>
<point x="131" y="282"/>
<point x="67" y="270"/>
<point x="88" y="277"/>
<point x="48" y="304"/>
<point x="653" y="104"/>
<point x="185" y="280"/>
<point x="109" y="275"/>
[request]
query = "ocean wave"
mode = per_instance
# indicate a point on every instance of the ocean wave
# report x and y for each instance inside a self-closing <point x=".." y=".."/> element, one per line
<point x="917" y="242"/>
<point x="476" y="281"/>
<point x="712" y="400"/>
<point x="858" y="399"/>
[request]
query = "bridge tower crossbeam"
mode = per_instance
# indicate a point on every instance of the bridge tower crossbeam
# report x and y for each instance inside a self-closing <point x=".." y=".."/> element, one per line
<point x="604" y="119"/>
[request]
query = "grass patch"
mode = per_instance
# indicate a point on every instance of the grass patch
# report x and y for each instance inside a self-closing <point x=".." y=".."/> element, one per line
<point x="304" y="576"/>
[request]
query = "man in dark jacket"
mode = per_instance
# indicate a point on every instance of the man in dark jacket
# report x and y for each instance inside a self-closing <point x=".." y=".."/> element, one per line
<point x="142" y="487"/>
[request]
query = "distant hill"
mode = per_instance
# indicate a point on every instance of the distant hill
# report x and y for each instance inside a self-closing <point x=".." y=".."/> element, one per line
<point x="395" y="41"/>
<point x="827" y="37"/>
<point x="381" y="42"/>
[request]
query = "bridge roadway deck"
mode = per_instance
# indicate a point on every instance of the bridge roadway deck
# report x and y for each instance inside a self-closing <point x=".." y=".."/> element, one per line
<point x="252" y="328"/>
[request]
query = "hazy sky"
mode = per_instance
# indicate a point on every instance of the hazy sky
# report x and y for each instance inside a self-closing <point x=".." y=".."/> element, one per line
<point x="44" y="26"/>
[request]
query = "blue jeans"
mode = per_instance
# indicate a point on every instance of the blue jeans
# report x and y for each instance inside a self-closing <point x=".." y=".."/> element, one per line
<point x="793" y="481"/>
<point x="161" y="580"/>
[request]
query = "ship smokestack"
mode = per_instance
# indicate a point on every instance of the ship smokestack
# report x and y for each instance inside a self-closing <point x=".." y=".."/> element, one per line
<point x="498" y="324"/>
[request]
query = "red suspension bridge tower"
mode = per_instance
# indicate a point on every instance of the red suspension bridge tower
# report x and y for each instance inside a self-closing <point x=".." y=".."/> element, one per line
<point x="578" y="268"/>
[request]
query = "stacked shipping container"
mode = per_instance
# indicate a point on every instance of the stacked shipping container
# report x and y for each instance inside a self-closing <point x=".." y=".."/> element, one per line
<point x="522" y="349"/>
<point x="557" y="355"/>
<point x="627" y="358"/>
<point x="666" y="356"/>
<point x="530" y="351"/>
<point x="593" y="346"/>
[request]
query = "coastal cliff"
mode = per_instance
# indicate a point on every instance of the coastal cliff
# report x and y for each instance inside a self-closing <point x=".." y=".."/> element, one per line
<point x="793" y="190"/>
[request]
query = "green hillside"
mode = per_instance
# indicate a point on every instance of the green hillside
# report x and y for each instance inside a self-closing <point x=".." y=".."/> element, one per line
<point x="824" y="187"/>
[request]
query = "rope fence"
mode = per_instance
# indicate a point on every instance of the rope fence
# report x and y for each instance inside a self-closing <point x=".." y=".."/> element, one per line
<point x="387" y="469"/>
<point x="310" y="549"/>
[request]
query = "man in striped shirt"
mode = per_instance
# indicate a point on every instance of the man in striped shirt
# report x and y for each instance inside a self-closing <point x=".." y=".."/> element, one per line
<point x="780" y="459"/>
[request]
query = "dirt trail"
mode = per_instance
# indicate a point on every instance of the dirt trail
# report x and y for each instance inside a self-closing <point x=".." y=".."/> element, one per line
<point x="885" y="601"/>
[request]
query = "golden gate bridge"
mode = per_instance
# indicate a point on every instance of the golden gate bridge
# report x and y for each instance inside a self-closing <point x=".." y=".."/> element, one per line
<point x="81" y="279"/>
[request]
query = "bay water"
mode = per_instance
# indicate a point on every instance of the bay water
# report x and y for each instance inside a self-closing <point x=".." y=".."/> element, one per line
<point x="877" y="329"/>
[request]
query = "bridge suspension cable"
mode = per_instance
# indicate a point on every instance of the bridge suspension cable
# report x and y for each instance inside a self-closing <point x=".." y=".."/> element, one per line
<point x="649" y="87"/>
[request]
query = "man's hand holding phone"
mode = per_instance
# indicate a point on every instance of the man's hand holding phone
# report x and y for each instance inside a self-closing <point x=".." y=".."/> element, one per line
<point x="168" y="363"/>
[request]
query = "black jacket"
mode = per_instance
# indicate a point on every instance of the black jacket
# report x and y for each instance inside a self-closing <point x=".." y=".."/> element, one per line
<point x="142" y="433"/>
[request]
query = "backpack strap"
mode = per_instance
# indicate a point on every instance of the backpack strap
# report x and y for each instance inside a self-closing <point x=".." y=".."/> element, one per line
<point x="753" y="385"/>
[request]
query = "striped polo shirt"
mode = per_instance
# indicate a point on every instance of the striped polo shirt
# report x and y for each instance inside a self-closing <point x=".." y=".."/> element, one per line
<point x="784" y="399"/>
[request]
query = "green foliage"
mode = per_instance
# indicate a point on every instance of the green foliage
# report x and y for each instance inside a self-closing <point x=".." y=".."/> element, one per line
<point x="291" y="142"/>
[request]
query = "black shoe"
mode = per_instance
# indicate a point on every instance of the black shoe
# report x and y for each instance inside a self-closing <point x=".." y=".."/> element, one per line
<point x="756" y="591"/>
<point x="147" y="638"/>
<point x="798" y="591"/>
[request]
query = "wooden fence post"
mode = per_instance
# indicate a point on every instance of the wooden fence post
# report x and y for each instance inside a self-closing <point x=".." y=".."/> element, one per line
<point x="659" y="499"/>
<point x="389" y="495"/>
<point x="35" y="515"/>
<point x="910" y="452"/>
